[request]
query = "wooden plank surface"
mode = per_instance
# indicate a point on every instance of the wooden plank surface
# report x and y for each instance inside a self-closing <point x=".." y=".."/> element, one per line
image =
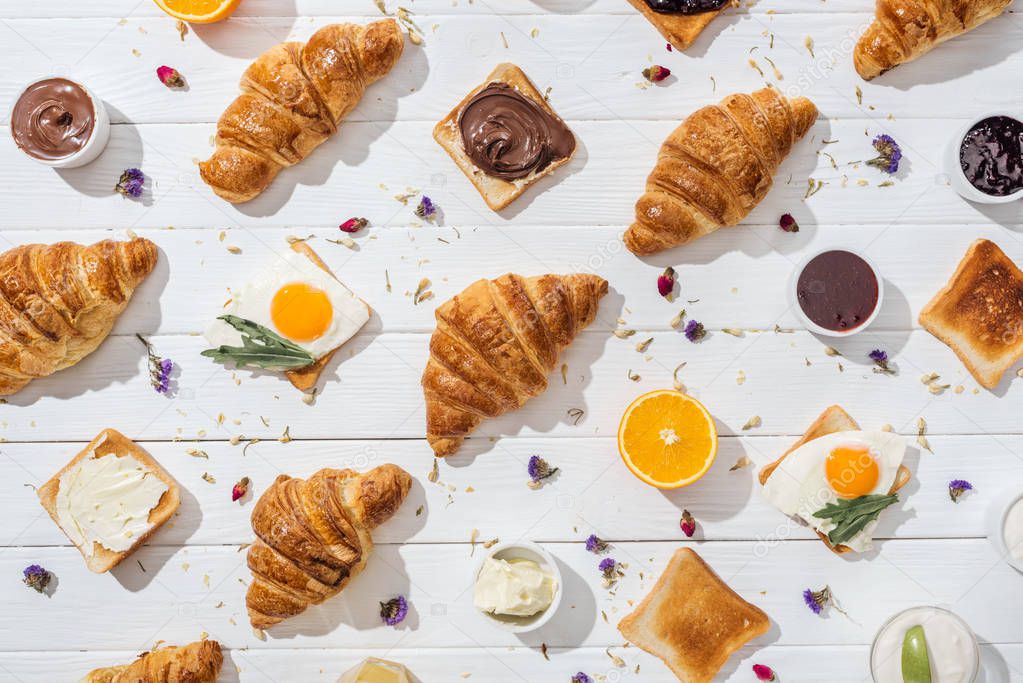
<point x="191" y="578"/>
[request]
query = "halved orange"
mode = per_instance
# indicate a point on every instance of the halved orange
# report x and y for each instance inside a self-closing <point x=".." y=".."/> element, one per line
<point x="198" y="11"/>
<point x="667" y="439"/>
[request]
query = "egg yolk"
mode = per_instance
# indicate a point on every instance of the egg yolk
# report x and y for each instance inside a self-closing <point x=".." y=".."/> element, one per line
<point x="851" y="471"/>
<point x="301" y="312"/>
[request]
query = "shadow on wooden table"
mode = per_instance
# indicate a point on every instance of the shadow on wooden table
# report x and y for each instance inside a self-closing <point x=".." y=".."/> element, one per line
<point x="574" y="620"/>
<point x="248" y="37"/>
<point x="138" y="570"/>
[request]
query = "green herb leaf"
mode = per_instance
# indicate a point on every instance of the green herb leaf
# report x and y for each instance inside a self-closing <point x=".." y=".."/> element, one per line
<point x="260" y="347"/>
<point x="850" y="517"/>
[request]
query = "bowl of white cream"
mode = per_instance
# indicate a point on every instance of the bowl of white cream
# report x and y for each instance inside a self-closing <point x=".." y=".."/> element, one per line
<point x="517" y="587"/>
<point x="1005" y="525"/>
<point x="925" y="638"/>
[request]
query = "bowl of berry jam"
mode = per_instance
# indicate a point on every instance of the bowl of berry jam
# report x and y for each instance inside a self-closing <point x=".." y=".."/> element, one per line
<point x="836" y="292"/>
<point x="985" y="160"/>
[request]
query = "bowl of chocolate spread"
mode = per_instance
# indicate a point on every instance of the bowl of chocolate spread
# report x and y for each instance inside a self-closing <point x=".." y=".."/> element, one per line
<point x="985" y="159"/>
<point x="59" y="122"/>
<point x="836" y="292"/>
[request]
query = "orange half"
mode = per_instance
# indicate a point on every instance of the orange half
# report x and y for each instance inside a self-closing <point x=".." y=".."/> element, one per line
<point x="667" y="439"/>
<point x="198" y="11"/>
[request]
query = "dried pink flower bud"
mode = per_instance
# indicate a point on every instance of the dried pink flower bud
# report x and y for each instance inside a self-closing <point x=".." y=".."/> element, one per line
<point x="688" y="524"/>
<point x="763" y="673"/>
<point x="666" y="281"/>
<point x="170" y="77"/>
<point x="240" y="489"/>
<point x="656" y="73"/>
<point x="788" y="223"/>
<point x="353" y="225"/>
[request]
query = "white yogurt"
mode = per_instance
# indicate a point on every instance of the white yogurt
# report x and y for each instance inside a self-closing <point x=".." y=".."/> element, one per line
<point x="951" y="646"/>
<point x="1012" y="531"/>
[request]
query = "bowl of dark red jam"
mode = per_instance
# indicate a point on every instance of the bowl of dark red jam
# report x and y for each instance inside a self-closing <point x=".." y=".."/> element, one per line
<point x="985" y="160"/>
<point x="836" y="292"/>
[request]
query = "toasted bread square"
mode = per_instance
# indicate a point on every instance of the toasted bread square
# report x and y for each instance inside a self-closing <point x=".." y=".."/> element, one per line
<point x="496" y="192"/>
<point x="979" y="313"/>
<point x="692" y="620"/>
<point x="833" y="419"/>
<point x="678" y="29"/>
<point x="306" y="378"/>
<point x="112" y="441"/>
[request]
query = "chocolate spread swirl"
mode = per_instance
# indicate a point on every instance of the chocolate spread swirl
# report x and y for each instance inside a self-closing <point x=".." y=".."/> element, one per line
<point x="53" y="119"/>
<point x="510" y="136"/>
<point x="685" y="6"/>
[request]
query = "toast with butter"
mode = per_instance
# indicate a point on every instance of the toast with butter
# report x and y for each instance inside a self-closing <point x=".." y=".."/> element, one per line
<point x="108" y="508"/>
<point x="979" y="313"/>
<point x="692" y="620"/>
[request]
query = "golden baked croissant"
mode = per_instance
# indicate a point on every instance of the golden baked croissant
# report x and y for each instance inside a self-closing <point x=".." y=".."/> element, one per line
<point x="313" y="536"/>
<point x="494" y="346"/>
<point x="714" y="168"/>
<point x="293" y="98"/>
<point x="198" y="662"/>
<point x="905" y="29"/>
<point x="58" y="302"/>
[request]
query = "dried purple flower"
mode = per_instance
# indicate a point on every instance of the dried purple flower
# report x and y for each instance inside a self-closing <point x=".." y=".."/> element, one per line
<point x="160" y="369"/>
<point x="170" y="77"/>
<point x="607" y="567"/>
<point x="818" y="600"/>
<point x="880" y="359"/>
<point x="394" y="611"/>
<point x="539" y="468"/>
<point x="656" y="73"/>
<point x="666" y="282"/>
<point x="888" y="154"/>
<point x="695" y="331"/>
<point x="353" y="225"/>
<point x="581" y="678"/>
<point x="426" y="209"/>
<point x="130" y="183"/>
<point x="788" y="223"/>
<point x="687" y="524"/>
<point x="595" y="544"/>
<point x="36" y="578"/>
<point x="763" y="672"/>
<point x="957" y="487"/>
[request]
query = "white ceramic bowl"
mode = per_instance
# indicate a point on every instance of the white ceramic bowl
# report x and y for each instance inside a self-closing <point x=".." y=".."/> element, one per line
<point x="96" y="143"/>
<point x="811" y="325"/>
<point x="523" y="551"/>
<point x="974" y="664"/>
<point x="960" y="183"/>
<point x="997" y="511"/>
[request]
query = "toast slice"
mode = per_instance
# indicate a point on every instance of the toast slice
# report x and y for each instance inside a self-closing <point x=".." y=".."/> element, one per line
<point x="110" y="441"/>
<point x="496" y="192"/>
<point x="833" y="419"/>
<point x="678" y="29"/>
<point x="306" y="378"/>
<point x="692" y="620"/>
<point x="979" y="313"/>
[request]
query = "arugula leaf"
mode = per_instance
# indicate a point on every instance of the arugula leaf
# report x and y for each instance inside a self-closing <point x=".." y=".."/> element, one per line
<point x="851" y="516"/>
<point x="260" y="347"/>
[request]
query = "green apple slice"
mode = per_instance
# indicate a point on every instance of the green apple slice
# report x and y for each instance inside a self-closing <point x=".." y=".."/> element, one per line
<point x="916" y="665"/>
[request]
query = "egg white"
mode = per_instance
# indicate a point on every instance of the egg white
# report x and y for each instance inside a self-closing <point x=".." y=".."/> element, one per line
<point x="799" y="485"/>
<point x="252" y="302"/>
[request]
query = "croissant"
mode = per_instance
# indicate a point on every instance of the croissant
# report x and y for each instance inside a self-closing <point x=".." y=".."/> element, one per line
<point x="714" y="168"/>
<point x="197" y="662"/>
<point x="293" y="98"/>
<point x="313" y="536"/>
<point x="905" y="29"/>
<point x="58" y="302"/>
<point x="494" y="346"/>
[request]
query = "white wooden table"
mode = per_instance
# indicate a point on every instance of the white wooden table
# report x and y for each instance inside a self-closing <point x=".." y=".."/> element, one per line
<point x="590" y="53"/>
